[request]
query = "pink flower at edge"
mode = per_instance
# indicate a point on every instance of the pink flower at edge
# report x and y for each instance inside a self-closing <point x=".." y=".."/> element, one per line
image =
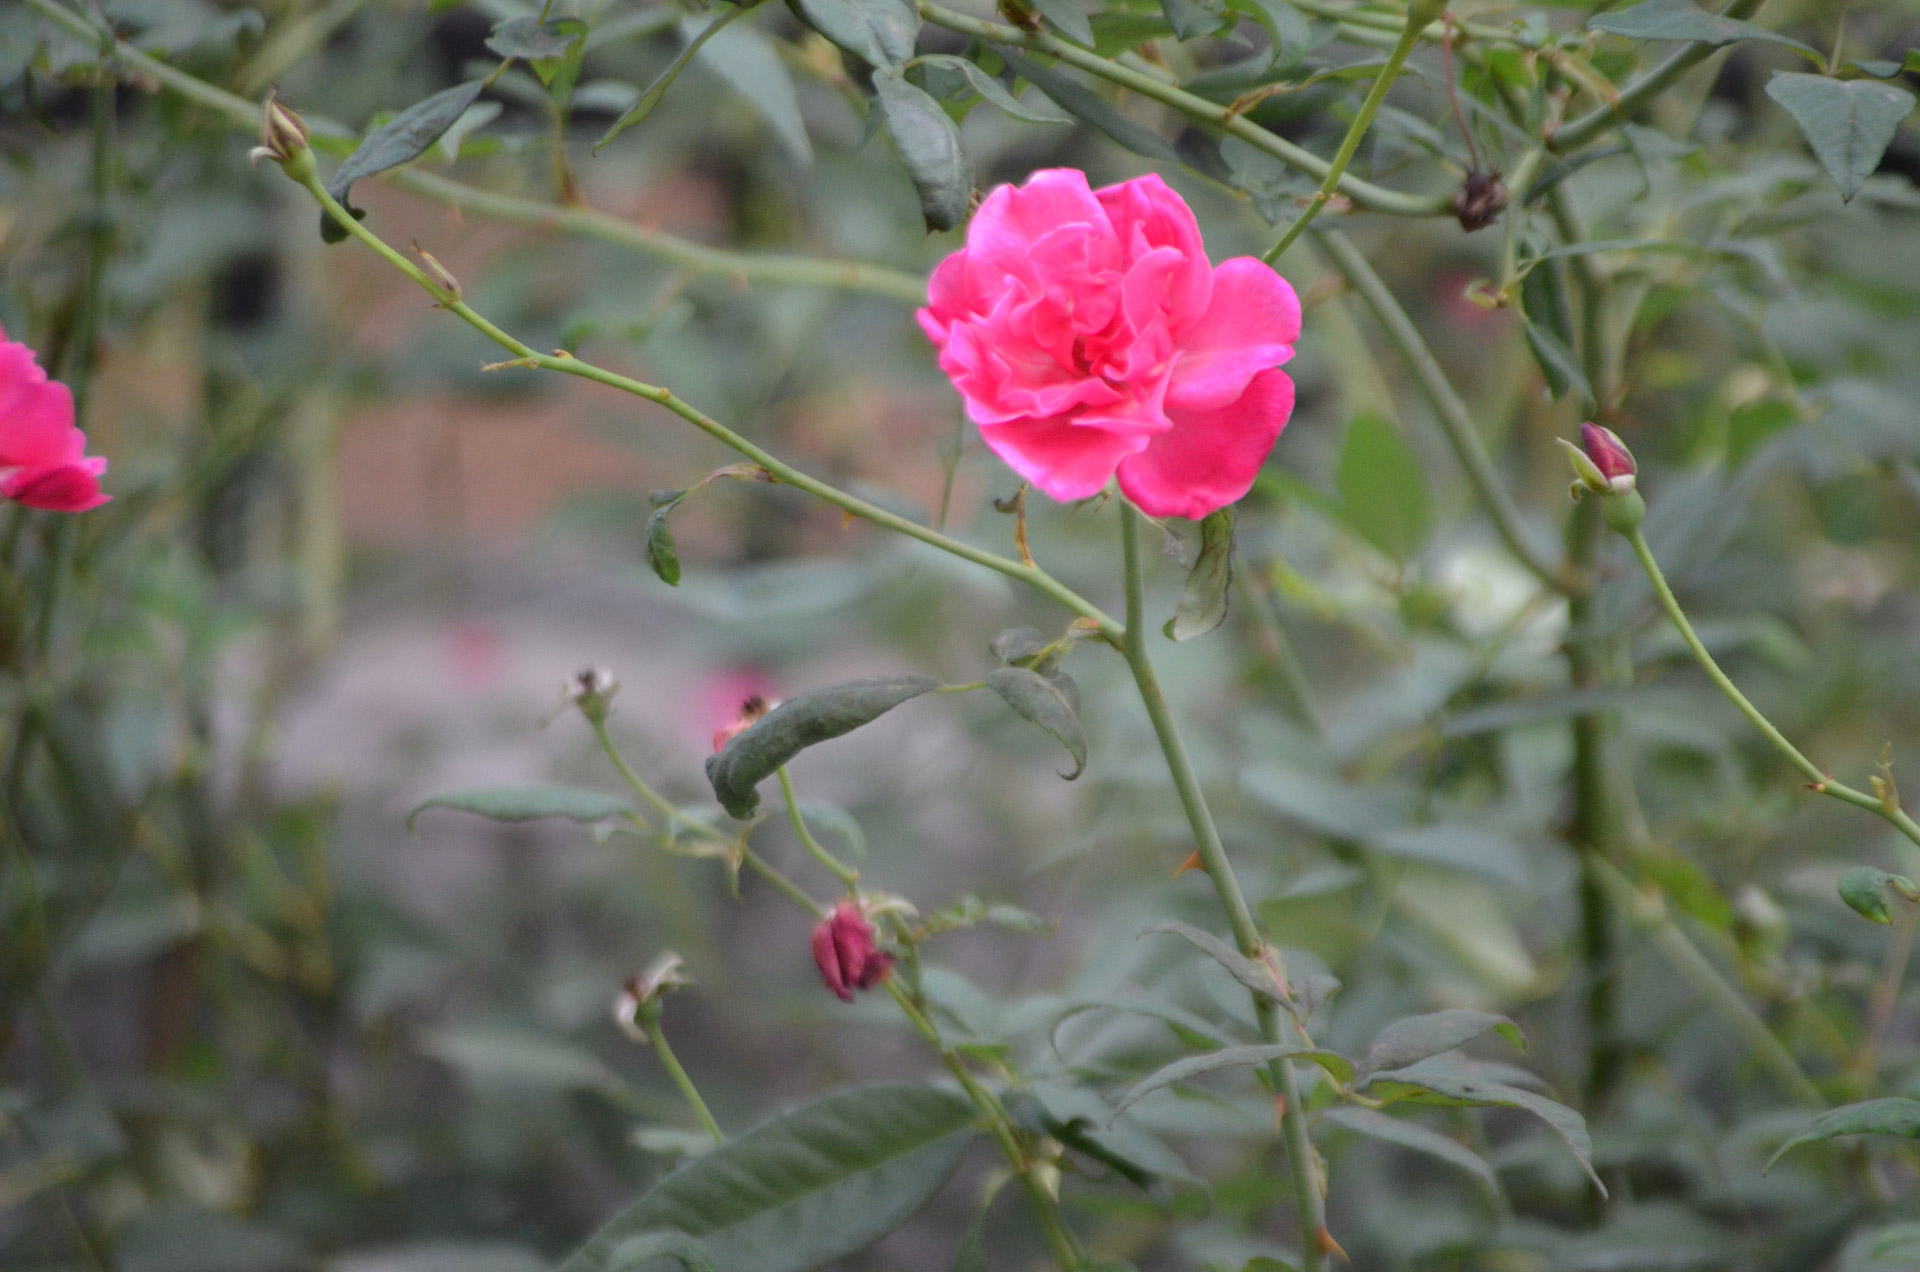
<point x="43" y="459"/>
<point x="1090" y="336"/>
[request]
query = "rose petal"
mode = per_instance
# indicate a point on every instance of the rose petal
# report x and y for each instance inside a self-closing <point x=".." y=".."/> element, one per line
<point x="1012" y="218"/>
<point x="1147" y="214"/>
<point x="1064" y="460"/>
<point x="36" y="414"/>
<point x="72" y="487"/>
<point x="1208" y="459"/>
<point x="1250" y="326"/>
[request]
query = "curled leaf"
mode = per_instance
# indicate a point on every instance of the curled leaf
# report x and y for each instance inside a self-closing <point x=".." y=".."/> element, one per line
<point x="797" y="724"/>
<point x="1046" y="704"/>
<point x="401" y="139"/>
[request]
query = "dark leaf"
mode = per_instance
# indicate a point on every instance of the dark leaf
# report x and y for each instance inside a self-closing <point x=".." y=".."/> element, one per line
<point x="664" y="81"/>
<point x="1383" y="488"/>
<point x="1203" y="603"/>
<point x="1409" y="1134"/>
<point x="1849" y="123"/>
<point x="1437" y="1082"/>
<point x="929" y="145"/>
<point x="993" y="90"/>
<point x="1042" y="701"/>
<point x="1895" y="1115"/>
<point x="1235" y="1057"/>
<point x="1089" y="107"/>
<point x="1557" y="363"/>
<point x="806" y="1188"/>
<point x="530" y="38"/>
<point x="797" y="724"/>
<point x="1065" y="17"/>
<point x="1194" y="19"/>
<point x="1085" y="1123"/>
<point x="1683" y="20"/>
<point x="527" y="803"/>
<point x="401" y="139"/>
<point x="1261" y="980"/>
<point x="880" y="31"/>
<point x="1415" y="1038"/>
<point x="1020" y="645"/>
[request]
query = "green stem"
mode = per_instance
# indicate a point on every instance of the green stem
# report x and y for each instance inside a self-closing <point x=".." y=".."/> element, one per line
<point x="1817" y="779"/>
<point x="1886" y="987"/>
<point x="1309" y="1205"/>
<point x="840" y="870"/>
<point x="1032" y="575"/>
<point x="1637" y="94"/>
<point x="1382" y="83"/>
<point x="783" y="885"/>
<point x="650" y="1021"/>
<point x="1455" y="420"/>
<point x="1648" y="912"/>
<point x="1363" y="193"/>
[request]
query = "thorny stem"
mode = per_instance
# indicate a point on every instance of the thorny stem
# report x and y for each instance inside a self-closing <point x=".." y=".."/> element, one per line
<point x="1817" y="779"/>
<point x="1455" y="420"/>
<point x="1032" y="576"/>
<point x="744" y="267"/>
<point x="1363" y="193"/>
<point x="1046" y="1208"/>
<point x="1382" y="82"/>
<point x="1309" y="1204"/>
<point x="840" y="870"/>
<point x="650" y="1021"/>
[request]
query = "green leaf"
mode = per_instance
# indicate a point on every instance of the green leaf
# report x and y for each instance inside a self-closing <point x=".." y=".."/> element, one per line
<point x="1383" y="488"/>
<point x="661" y="554"/>
<point x="1066" y="17"/>
<point x="806" y="1188"/>
<point x="1415" y="1038"/>
<point x="1090" y="108"/>
<point x="750" y="63"/>
<point x="1683" y="20"/>
<point x="1021" y="646"/>
<point x="929" y="145"/>
<point x="662" y="82"/>
<point x="880" y="31"/>
<point x="990" y="87"/>
<point x="1864" y="889"/>
<point x="1194" y="19"/>
<point x="1289" y="36"/>
<point x="1203" y="602"/>
<point x="1178" y="1019"/>
<point x="1411" y="1135"/>
<point x="1849" y="123"/>
<point x="634" y="1253"/>
<point x="531" y="39"/>
<point x="795" y="725"/>
<point x="1895" y="1115"/>
<point x="1261" y="980"/>
<point x="527" y="803"/>
<point x="1041" y="701"/>
<point x="1437" y="1082"/>
<point x="1088" y="1125"/>
<point x="1233" y="1058"/>
<point x="496" y="1056"/>
<point x="401" y="139"/>
<point x="1563" y="371"/>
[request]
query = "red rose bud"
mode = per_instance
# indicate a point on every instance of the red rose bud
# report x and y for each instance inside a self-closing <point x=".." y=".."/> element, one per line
<point x="844" y="947"/>
<point x="1610" y="455"/>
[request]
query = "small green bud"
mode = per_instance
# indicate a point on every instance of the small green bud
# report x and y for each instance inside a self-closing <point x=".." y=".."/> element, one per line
<point x="1864" y="889"/>
<point x="592" y="691"/>
<point x="1624" y="513"/>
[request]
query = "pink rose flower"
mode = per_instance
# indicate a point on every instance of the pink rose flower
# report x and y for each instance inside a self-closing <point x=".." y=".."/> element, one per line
<point x="844" y="949"/>
<point x="1090" y="336"/>
<point x="43" y="460"/>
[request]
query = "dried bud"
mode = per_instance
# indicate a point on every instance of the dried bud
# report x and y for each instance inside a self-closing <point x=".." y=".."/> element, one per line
<point x="844" y="947"/>
<point x="1478" y="201"/>
<point x="750" y="710"/>
<point x="639" y="999"/>
<point x="592" y="691"/>
<point x="283" y="139"/>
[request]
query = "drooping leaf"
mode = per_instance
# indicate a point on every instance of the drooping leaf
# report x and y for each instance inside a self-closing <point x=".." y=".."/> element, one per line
<point x="1848" y="123"/>
<point x="1181" y="1021"/>
<point x="527" y="803"/>
<point x="1040" y="700"/>
<point x="797" y="724"/>
<point x="1090" y="108"/>
<point x="662" y="556"/>
<point x="880" y="31"/>
<point x="990" y="87"/>
<point x="1088" y="1125"/>
<point x="1557" y="364"/>
<point x="1864" y="889"/>
<point x="1415" y="1038"/>
<point x="1383" y="488"/>
<point x="1439" y="1082"/>
<point x="1684" y="20"/>
<point x="1895" y="1115"/>
<point x="1066" y="17"/>
<point x="401" y="139"/>
<point x="1411" y="1135"/>
<point x="1021" y="646"/>
<point x="1289" y="35"/>
<point x="1231" y="1058"/>
<point x="928" y="143"/>
<point x="744" y="56"/>
<point x="1203" y="602"/>
<point x="1194" y="19"/>
<point x="637" y="1252"/>
<point x="654" y="92"/>
<point x="530" y="38"/>
<point x="1254" y="976"/>
<point x="805" y="1188"/>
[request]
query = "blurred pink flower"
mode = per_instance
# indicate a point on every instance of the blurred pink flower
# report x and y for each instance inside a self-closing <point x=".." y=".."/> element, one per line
<point x="720" y="699"/>
<point x="43" y="460"/>
<point x="1089" y="335"/>
<point x="844" y="947"/>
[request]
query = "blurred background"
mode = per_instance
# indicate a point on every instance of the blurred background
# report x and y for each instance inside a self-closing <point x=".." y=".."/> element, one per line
<point x="252" y="1022"/>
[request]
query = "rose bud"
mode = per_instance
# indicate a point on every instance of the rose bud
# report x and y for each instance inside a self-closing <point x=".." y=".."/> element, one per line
<point x="750" y="710"/>
<point x="844" y="947"/>
<point x="283" y="139"/>
<point x="592" y="691"/>
<point x="1610" y="455"/>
